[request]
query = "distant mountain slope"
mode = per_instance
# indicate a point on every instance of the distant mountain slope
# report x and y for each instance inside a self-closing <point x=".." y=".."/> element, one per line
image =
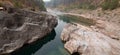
<point x="68" y="2"/>
<point x="85" y="4"/>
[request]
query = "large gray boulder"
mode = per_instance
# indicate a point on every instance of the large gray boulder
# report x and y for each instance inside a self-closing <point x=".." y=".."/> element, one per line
<point x="23" y="27"/>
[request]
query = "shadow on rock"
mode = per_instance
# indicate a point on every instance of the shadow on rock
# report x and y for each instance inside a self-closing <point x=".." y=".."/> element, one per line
<point x="29" y="49"/>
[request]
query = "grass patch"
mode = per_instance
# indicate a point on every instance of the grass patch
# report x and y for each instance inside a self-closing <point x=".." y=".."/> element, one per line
<point x="110" y="4"/>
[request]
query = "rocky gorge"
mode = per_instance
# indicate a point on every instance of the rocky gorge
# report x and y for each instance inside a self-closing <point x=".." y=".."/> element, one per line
<point x="68" y="28"/>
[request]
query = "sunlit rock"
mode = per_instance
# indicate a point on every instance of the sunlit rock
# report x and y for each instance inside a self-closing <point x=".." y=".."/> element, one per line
<point x="85" y="41"/>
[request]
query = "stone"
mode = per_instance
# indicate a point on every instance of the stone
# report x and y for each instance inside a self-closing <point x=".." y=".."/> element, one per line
<point x="85" y="41"/>
<point x="23" y="27"/>
<point x="100" y="24"/>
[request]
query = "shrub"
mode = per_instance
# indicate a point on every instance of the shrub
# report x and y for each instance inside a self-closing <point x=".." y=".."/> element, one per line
<point x="110" y="4"/>
<point x="17" y="4"/>
<point x="38" y="5"/>
<point x="42" y="7"/>
<point x="82" y="6"/>
<point x="87" y="6"/>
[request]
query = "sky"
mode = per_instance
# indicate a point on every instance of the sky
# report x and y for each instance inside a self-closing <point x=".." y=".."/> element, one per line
<point x="46" y="0"/>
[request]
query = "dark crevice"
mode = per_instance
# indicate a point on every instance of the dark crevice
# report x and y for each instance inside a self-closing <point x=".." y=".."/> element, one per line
<point x="76" y="53"/>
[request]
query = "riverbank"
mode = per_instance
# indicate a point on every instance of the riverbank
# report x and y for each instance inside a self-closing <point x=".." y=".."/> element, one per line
<point x="82" y="40"/>
<point x="109" y="26"/>
<point x="106" y="23"/>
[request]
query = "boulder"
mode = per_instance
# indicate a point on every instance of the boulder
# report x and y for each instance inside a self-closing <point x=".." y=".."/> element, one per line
<point x="82" y="40"/>
<point x="23" y="27"/>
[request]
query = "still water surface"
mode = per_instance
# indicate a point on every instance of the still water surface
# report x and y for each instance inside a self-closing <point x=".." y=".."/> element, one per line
<point x="49" y="45"/>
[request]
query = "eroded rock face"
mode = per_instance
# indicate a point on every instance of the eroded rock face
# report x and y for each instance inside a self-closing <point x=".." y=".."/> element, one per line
<point x="23" y="27"/>
<point x="83" y="40"/>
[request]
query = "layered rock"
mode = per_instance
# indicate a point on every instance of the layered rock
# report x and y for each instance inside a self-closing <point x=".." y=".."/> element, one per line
<point x="82" y="40"/>
<point x="23" y="27"/>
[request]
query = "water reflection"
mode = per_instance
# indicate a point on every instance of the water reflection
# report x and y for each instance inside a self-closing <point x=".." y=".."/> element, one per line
<point x="77" y="19"/>
<point x="32" y="48"/>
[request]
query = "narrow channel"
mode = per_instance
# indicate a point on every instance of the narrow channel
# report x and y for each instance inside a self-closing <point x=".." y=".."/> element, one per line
<point x="50" y="45"/>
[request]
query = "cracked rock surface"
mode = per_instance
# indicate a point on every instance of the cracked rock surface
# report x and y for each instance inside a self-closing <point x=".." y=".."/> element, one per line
<point x="82" y="40"/>
<point x="22" y="27"/>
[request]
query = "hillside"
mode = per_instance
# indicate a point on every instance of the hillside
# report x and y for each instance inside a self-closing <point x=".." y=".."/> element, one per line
<point x="84" y="4"/>
<point x="29" y="4"/>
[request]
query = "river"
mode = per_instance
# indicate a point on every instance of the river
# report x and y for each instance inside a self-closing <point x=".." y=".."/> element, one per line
<point x="52" y="44"/>
<point x="49" y="45"/>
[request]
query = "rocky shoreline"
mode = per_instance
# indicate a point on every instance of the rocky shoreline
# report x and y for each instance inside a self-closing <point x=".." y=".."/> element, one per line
<point x="23" y="27"/>
<point x="82" y="40"/>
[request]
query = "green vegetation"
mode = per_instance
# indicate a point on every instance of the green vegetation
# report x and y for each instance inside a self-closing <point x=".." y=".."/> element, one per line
<point x="0" y="4"/>
<point x="34" y="5"/>
<point x="110" y="4"/>
<point x="105" y="5"/>
<point x="42" y="7"/>
<point x="87" y="6"/>
<point x="80" y="6"/>
<point x="17" y="4"/>
<point x="37" y="5"/>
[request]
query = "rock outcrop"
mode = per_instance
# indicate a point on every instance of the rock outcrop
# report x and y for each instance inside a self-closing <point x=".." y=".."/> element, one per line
<point x="23" y="27"/>
<point x="82" y="40"/>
